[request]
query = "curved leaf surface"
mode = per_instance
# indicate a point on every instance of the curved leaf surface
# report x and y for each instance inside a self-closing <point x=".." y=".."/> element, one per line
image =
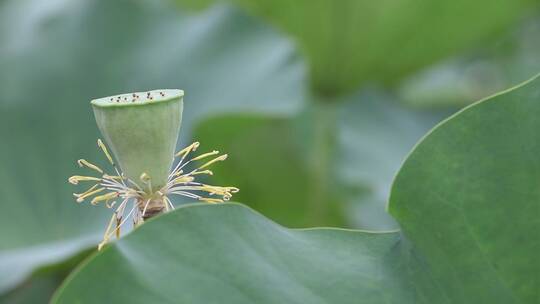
<point x="240" y="258"/>
<point x="468" y="198"/>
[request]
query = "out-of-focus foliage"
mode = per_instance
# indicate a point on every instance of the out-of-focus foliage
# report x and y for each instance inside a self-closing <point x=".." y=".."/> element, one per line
<point x="350" y="42"/>
<point x="452" y="197"/>
<point x="56" y="56"/>
<point x="41" y="286"/>
<point x="375" y="133"/>
<point x="267" y="161"/>
<point x="331" y="165"/>
<point x="36" y="290"/>
<point x="485" y="71"/>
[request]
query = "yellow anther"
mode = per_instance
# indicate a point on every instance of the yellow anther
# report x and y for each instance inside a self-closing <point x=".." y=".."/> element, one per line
<point x="81" y="198"/>
<point x="87" y="191"/>
<point x="115" y="177"/>
<point x="215" y="190"/>
<point x="75" y="179"/>
<point x="83" y="162"/>
<point x="187" y="149"/>
<point x="104" y="197"/>
<point x="106" y="236"/>
<point x="205" y="155"/>
<point x="211" y="200"/>
<point x="110" y="205"/>
<point x="203" y="172"/>
<point x="219" y="158"/>
<point x="145" y="177"/>
<point x="105" y="151"/>
<point x="183" y="179"/>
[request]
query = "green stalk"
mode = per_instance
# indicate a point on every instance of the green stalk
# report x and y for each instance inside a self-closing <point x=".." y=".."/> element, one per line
<point x="324" y="203"/>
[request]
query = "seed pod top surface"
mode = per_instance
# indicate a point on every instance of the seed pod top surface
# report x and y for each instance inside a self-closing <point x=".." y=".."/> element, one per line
<point x="138" y="98"/>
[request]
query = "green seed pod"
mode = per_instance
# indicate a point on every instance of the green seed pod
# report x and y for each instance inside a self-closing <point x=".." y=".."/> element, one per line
<point x="142" y="129"/>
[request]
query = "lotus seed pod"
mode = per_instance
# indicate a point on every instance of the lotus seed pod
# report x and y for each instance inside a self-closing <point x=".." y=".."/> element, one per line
<point x="141" y="129"/>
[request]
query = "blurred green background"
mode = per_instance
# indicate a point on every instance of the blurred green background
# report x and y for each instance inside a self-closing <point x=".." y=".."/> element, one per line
<point x="316" y="102"/>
